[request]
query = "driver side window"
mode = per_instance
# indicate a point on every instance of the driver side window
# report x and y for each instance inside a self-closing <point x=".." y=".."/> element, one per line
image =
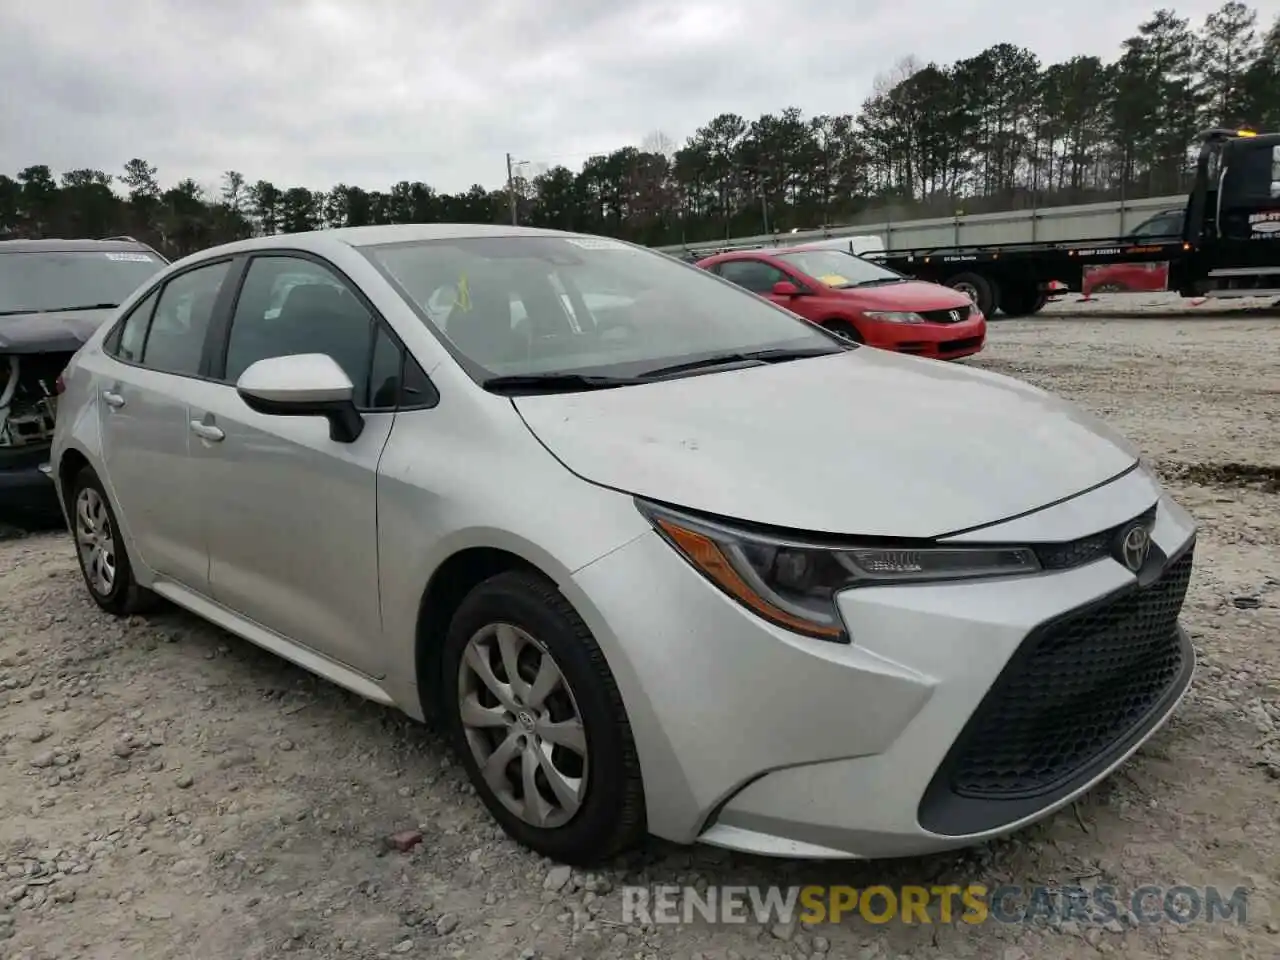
<point x="290" y="305"/>
<point x="754" y="275"/>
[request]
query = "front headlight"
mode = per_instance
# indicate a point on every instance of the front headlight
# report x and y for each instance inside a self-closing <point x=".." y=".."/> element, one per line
<point x="793" y="583"/>
<point x="893" y="316"/>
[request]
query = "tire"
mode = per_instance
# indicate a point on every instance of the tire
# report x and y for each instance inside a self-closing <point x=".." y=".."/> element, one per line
<point x="526" y="613"/>
<point x="1021" y="300"/>
<point x="983" y="291"/>
<point x="101" y="552"/>
<point x="843" y="329"/>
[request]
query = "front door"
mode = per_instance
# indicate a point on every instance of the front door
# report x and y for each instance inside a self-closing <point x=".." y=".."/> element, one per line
<point x="293" y="532"/>
<point x="144" y="380"/>
<point x="759" y="277"/>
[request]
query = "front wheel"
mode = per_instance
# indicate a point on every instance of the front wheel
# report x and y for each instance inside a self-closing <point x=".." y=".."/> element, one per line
<point x="844" y="330"/>
<point x="538" y="721"/>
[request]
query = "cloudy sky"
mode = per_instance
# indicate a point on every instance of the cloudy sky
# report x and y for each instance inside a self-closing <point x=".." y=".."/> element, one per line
<point x="368" y="92"/>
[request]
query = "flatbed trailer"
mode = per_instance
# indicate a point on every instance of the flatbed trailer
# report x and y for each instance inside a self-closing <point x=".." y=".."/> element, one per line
<point x="1229" y="244"/>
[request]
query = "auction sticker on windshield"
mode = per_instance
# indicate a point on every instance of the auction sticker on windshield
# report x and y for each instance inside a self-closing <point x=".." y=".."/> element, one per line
<point x="596" y="243"/>
<point x="834" y="280"/>
<point x="130" y="257"/>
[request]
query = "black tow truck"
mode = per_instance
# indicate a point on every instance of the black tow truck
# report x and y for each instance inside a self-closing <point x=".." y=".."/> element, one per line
<point x="1228" y="246"/>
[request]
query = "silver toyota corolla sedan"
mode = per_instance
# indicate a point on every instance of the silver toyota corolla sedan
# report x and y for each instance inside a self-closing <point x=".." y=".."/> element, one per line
<point x="661" y="555"/>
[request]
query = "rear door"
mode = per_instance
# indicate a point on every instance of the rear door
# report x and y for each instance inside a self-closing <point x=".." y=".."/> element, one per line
<point x="144" y="379"/>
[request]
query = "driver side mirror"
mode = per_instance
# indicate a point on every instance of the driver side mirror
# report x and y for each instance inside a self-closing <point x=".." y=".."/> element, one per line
<point x="303" y="385"/>
<point x="785" y="288"/>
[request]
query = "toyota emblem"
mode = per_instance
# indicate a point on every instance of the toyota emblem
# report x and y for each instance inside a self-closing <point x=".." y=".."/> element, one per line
<point x="1134" y="547"/>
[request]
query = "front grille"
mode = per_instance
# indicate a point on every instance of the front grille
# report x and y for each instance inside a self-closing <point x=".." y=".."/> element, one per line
<point x="1076" y="553"/>
<point x="945" y="316"/>
<point x="1076" y="688"/>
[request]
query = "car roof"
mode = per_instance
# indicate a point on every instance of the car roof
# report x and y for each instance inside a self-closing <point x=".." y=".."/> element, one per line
<point x="740" y="254"/>
<point x="73" y="246"/>
<point x="321" y="240"/>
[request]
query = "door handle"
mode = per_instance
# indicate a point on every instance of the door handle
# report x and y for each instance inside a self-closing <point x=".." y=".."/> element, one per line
<point x="207" y="431"/>
<point x="113" y="400"/>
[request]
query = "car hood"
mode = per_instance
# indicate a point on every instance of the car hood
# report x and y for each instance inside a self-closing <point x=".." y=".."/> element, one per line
<point x="50" y="332"/>
<point x="866" y="442"/>
<point x="912" y="295"/>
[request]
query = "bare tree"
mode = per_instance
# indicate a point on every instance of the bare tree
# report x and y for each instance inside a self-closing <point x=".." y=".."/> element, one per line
<point x="904" y="69"/>
<point x="658" y="142"/>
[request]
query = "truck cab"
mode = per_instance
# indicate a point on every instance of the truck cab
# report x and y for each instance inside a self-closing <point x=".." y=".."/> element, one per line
<point x="1232" y="229"/>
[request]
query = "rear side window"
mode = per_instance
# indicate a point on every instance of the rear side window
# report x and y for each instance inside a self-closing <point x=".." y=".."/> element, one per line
<point x="175" y="341"/>
<point x="127" y="339"/>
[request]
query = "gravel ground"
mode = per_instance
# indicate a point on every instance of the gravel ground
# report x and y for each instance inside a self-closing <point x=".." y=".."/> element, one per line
<point x="171" y="791"/>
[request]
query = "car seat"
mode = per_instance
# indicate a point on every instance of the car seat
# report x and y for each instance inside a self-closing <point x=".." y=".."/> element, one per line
<point x="322" y="318"/>
<point x="482" y="328"/>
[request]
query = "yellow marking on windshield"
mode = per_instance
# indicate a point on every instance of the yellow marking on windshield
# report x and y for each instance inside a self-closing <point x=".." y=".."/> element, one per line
<point x="834" y="280"/>
<point x="464" y="294"/>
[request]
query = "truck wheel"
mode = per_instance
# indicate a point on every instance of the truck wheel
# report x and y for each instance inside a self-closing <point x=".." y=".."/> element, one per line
<point x="1021" y="300"/>
<point x="983" y="291"/>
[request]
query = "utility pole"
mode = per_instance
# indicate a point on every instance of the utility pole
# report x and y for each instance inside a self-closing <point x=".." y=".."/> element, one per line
<point x="511" y="190"/>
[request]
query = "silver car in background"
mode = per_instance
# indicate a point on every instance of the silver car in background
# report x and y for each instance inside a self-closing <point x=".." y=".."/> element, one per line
<point x="663" y="556"/>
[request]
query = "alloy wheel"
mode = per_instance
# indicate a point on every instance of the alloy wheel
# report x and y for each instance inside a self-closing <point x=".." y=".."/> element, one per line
<point x="523" y="726"/>
<point x="95" y="539"/>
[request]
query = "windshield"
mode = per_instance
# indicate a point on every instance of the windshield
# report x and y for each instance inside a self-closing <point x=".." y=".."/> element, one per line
<point x="838" y="269"/>
<point x="522" y="306"/>
<point x="49" y="281"/>
<point x="1167" y="224"/>
<point x="1252" y="171"/>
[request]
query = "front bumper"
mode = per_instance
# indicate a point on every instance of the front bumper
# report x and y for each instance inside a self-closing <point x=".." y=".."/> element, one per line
<point x="24" y="486"/>
<point x="939" y="341"/>
<point x="760" y="740"/>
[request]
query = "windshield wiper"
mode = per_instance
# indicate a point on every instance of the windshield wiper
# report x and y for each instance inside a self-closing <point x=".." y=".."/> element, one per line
<point x="34" y="310"/>
<point x="556" y="382"/>
<point x="879" y="281"/>
<point x="748" y="356"/>
<point x="83" y="306"/>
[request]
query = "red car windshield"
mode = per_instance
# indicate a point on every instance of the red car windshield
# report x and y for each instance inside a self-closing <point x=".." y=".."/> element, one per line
<point x="838" y="269"/>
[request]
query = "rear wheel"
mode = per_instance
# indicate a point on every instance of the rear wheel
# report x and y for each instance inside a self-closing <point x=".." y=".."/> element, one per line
<point x="843" y="329"/>
<point x="981" y="291"/>
<point x="538" y="721"/>
<point x="1021" y="300"/>
<point x="104" y="560"/>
